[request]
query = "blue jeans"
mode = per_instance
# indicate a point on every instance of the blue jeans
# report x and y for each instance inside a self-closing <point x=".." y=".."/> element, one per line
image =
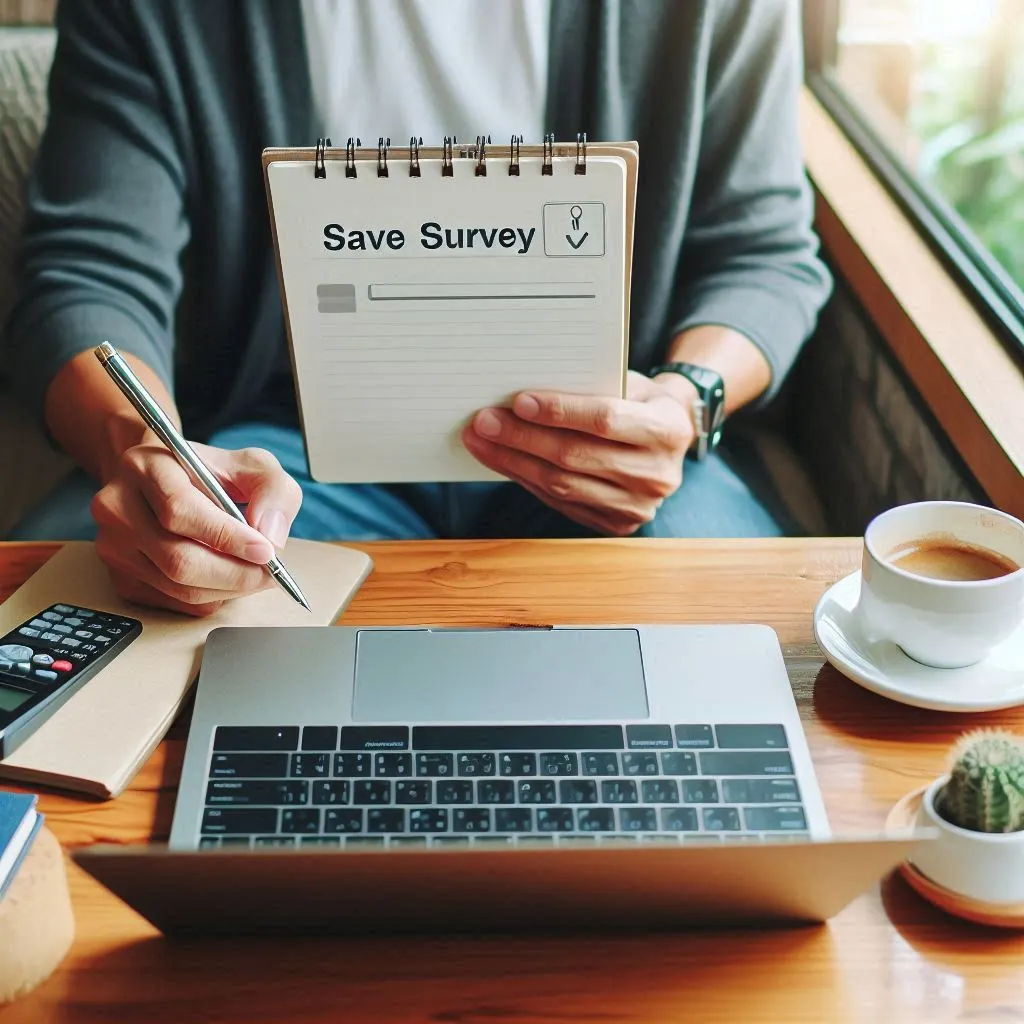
<point x="712" y="502"/>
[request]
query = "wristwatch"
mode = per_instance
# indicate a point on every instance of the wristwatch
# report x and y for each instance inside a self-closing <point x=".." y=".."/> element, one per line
<point x="709" y="407"/>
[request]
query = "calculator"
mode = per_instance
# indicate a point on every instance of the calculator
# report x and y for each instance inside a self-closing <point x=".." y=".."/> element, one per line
<point x="46" y="659"/>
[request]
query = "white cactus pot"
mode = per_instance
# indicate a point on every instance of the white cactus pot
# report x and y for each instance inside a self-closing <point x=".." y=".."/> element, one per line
<point x="985" y="866"/>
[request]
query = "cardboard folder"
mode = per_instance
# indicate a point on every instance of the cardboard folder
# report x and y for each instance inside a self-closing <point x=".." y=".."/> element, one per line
<point x="102" y="736"/>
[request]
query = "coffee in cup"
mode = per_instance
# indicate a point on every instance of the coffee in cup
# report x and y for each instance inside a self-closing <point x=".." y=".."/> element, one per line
<point x="946" y="558"/>
<point x="943" y="580"/>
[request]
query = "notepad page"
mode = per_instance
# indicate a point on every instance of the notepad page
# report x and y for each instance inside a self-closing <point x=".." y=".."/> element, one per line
<point x="414" y="302"/>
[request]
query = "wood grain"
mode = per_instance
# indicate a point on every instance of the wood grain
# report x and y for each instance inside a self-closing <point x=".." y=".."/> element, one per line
<point x="888" y="957"/>
<point x="971" y="383"/>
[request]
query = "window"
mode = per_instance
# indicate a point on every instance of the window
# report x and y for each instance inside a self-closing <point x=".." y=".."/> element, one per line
<point x="933" y="91"/>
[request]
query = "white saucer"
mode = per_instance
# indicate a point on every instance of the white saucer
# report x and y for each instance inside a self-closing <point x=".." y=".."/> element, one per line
<point x="883" y="668"/>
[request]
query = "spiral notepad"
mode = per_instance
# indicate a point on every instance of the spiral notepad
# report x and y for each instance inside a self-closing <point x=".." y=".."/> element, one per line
<point x="422" y="284"/>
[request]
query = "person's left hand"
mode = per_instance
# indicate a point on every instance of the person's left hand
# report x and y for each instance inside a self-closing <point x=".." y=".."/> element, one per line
<point x="607" y="463"/>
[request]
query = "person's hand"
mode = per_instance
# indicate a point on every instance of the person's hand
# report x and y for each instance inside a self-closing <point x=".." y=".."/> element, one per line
<point x="607" y="463"/>
<point x="166" y="543"/>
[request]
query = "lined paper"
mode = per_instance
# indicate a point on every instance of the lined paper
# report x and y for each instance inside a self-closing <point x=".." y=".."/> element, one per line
<point x="415" y="302"/>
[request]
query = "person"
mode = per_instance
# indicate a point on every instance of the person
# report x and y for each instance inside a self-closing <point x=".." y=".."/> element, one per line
<point x="147" y="226"/>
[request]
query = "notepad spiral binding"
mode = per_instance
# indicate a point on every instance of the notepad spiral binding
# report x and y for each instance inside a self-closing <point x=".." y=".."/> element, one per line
<point x="477" y="153"/>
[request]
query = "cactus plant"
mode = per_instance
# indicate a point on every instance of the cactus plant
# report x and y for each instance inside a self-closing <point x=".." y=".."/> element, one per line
<point x="985" y="791"/>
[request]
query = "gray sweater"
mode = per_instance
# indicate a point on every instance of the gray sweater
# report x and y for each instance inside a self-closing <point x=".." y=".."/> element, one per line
<point x="147" y="220"/>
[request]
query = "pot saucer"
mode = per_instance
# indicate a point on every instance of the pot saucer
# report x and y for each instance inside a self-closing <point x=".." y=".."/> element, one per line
<point x="997" y="915"/>
<point x="882" y="667"/>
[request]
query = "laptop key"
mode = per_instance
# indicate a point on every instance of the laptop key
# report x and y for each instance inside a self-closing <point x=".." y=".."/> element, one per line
<point x="335" y="791"/>
<point x="775" y="819"/>
<point x="209" y="842"/>
<point x="413" y="791"/>
<point x="495" y="791"/>
<point x="320" y="737"/>
<point x="407" y="841"/>
<point x="343" y="819"/>
<point x="559" y="764"/>
<point x="392" y="765"/>
<point x="638" y="819"/>
<point x="518" y="764"/>
<point x="640" y="764"/>
<point x="240" y="842"/>
<point x="364" y="841"/>
<point x="618" y="791"/>
<point x="475" y="764"/>
<point x="760" y="791"/>
<point x="600" y="762"/>
<point x="454" y="791"/>
<point x="555" y="819"/>
<point x="679" y="819"/>
<point x="320" y="841"/>
<point x="751" y="737"/>
<point x="377" y="791"/>
<point x="301" y="819"/>
<point x="513" y="819"/>
<point x="309" y="766"/>
<point x="700" y="791"/>
<point x="449" y="841"/>
<point x="648" y="737"/>
<point x="678" y="762"/>
<point x="257" y="792"/>
<point x="249" y="766"/>
<point x="351" y="765"/>
<point x="385" y="819"/>
<point x="439" y="765"/>
<point x="769" y="762"/>
<point x="577" y="791"/>
<point x="721" y="819"/>
<point x="375" y="737"/>
<point x="217" y="820"/>
<point x="492" y="840"/>
<point x="274" y="840"/>
<point x="694" y="737"/>
<point x="595" y="819"/>
<point x="428" y="819"/>
<point x="535" y="841"/>
<point x="471" y="819"/>
<point x="536" y="791"/>
<point x="256" y="737"/>
<point x="659" y="791"/>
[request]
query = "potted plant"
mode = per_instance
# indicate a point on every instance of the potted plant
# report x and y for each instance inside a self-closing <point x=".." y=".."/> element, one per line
<point x="977" y="811"/>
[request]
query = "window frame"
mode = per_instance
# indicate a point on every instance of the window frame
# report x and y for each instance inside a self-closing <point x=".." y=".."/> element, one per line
<point x="993" y="292"/>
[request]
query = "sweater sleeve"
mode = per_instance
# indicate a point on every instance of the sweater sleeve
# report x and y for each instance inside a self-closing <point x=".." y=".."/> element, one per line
<point x="105" y="222"/>
<point x="749" y="258"/>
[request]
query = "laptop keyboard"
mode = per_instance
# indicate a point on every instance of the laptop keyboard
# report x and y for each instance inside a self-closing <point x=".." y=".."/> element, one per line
<point x="519" y="785"/>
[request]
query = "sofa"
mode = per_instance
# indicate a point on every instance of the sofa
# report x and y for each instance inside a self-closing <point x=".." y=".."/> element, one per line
<point x="29" y="463"/>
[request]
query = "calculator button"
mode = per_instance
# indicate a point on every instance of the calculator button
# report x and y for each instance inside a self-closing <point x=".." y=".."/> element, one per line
<point x="89" y="647"/>
<point x="84" y="634"/>
<point x="65" y="608"/>
<point x="50" y="616"/>
<point x="22" y="668"/>
<point x="28" y="631"/>
<point x="114" y="630"/>
<point x="42" y="659"/>
<point x="71" y="642"/>
<point x="39" y="624"/>
<point x="84" y="613"/>
<point x="73" y="622"/>
<point x="42" y="673"/>
<point x="58" y="628"/>
<point x="101" y="639"/>
<point x="51" y="637"/>
<point x="62" y="666"/>
<point x="16" y="652"/>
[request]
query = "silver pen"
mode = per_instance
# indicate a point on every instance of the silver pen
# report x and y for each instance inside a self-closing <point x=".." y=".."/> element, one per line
<point x="158" y="421"/>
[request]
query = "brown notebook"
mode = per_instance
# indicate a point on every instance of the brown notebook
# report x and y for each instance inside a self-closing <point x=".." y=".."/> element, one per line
<point x="98" y="741"/>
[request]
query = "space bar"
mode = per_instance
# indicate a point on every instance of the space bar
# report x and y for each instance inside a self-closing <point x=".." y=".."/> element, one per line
<point x="517" y="737"/>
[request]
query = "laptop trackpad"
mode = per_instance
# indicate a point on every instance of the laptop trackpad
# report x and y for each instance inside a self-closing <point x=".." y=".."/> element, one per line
<point x="535" y="675"/>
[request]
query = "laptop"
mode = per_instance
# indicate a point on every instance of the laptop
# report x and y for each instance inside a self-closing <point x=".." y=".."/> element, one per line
<point x="414" y="778"/>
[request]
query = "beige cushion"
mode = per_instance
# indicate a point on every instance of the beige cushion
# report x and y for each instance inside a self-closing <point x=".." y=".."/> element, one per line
<point x="28" y="464"/>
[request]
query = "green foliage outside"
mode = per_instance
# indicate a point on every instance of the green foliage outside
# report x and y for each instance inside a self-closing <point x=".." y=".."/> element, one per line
<point x="968" y="114"/>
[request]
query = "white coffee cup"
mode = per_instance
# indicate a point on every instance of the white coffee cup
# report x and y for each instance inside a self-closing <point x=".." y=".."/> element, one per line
<point x="938" y="622"/>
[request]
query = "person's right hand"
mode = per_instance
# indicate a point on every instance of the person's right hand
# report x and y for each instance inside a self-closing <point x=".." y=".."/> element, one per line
<point x="166" y="543"/>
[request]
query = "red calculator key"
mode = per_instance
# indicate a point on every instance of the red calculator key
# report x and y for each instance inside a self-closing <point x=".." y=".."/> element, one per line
<point x="62" y="666"/>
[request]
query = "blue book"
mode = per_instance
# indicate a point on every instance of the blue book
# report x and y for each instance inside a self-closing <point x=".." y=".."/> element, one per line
<point x="19" y="823"/>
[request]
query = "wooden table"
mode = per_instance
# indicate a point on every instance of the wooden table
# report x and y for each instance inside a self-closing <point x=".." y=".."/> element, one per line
<point x="888" y="957"/>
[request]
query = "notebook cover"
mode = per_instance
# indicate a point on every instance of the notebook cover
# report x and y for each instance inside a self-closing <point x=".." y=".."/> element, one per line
<point x="98" y="741"/>
<point x="13" y="807"/>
